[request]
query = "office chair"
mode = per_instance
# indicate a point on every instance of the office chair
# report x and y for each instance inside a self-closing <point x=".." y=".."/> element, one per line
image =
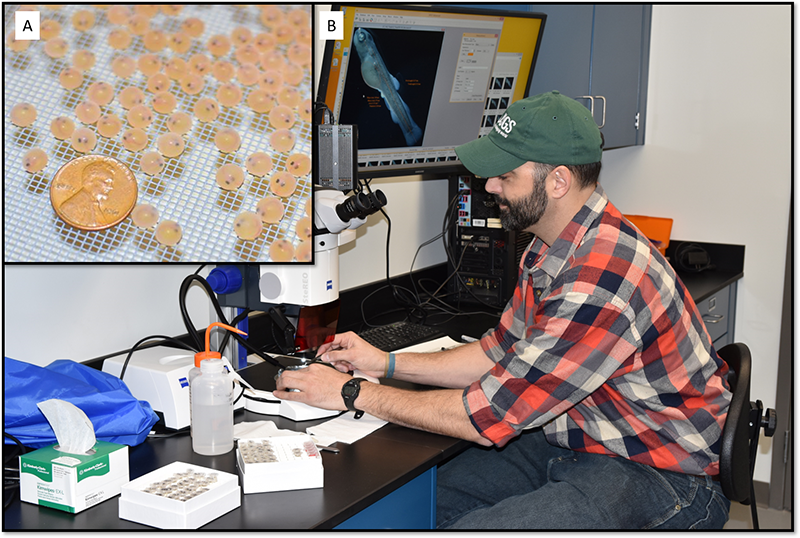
<point x="737" y="458"/>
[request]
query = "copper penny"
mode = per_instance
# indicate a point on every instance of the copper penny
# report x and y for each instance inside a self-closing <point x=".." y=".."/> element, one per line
<point x="93" y="192"/>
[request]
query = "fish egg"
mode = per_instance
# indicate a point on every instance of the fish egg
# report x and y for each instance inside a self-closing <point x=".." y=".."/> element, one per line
<point x="281" y="250"/>
<point x="151" y="163"/>
<point x="134" y="139"/>
<point x="199" y="64"/>
<point x="140" y="116"/>
<point x="298" y="164"/>
<point x="70" y="78"/>
<point x="271" y="16"/>
<point x="284" y="34"/>
<point x="229" y="94"/>
<point x="123" y="66"/>
<point x="83" y="140"/>
<point x="281" y="117"/>
<point x="247" y="225"/>
<point x="56" y="47"/>
<point x="48" y="29"/>
<point x="293" y="74"/>
<point x="282" y="140"/>
<point x="272" y="60"/>
<point x="170" y="144"/>
<point x="271" y="81"/>
<point x="118" y="14"/>
<point x="119" y="39"/>
<point x="289" y="97"/>
<point x="139" y="24"/>
<point x="168" y="233"/>
<point x="62" y="127"/>
<point x="248" y="74"/>
<point x="305" y="110"/>
<point x="192" y="84"/>
<point x="164" y="102"/>
<point x="109" y="125"/>
<point x="88" y="112"/>
<point x="23" y="114"/>
<point x="206" y="109"/>
<point x="179" y="123"/>
<point x="230" y="177"/>
<point x="83" y="20"/>
<point x="144" y="216"/>
<point x="130" y="97"/>
<point x="149" y="64"/>
<point x="303" y="229"/>
<point x="154" y="40"/>
<point x="83" y="60"/>
<point x="148" y="10"/>
<point x="303" y="251"/>
<point x="158" y="82"/>
<point x="264" y="42"/>
<point x="299" y="54"/>
<point x="260" y="101"/>
<point x="223" y="71"/>
<point x="227" y="140"/>
<point x="270" y="209"/>
<point x="298" y="17"/>
<point x="303" y="35"/>
<point x="193" y="26"/>
<point x="176" y="68"/>
<point x="18" y="45"/>
<point x="283" y="184"/>
<point x="247" y="54"/>
<point x="308" y="207"/>
<point x="259" y="164"/>
<point x="171" y="10"/>
<point x="241" y="35"/>
<point x="219" y="45"/>
<point x="34" y="160"/>
<point x="180" y="42"/>
<point x="101" y="93"/>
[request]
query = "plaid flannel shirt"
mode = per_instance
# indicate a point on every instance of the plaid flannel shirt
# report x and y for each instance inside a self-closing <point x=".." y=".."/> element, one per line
<point x="602" y="345"/>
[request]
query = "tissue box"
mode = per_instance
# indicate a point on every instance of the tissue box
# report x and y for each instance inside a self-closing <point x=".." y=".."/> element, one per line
<point x="73" y="482"/>
<point x="180" y="496"/>
<point x="279" y="464"/>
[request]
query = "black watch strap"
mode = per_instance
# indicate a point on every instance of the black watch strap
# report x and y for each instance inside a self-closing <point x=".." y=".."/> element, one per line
<point x="350" y="391"/>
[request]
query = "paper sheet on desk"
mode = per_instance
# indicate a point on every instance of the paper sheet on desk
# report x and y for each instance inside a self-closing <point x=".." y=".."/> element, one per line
<point x="345" y="428"/>
<point x="445" y="342"/>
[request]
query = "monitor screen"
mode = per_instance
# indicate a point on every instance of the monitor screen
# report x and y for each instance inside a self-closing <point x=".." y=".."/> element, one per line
<point x="419" y="81"/>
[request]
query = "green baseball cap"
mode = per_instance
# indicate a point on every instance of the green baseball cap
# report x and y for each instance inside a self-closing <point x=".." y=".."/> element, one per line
<point x="548" y="128"/>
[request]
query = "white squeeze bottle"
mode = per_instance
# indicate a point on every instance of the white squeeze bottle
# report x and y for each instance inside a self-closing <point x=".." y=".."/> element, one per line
<point x="212" y="409"/>
<point x="211" y="401"/>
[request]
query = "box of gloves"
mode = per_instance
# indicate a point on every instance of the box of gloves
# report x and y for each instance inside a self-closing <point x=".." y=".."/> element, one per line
<point x="73" y="482"/>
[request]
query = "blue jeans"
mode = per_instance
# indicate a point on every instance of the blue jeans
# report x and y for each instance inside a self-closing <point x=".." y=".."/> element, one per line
<point x="531" y="484"/>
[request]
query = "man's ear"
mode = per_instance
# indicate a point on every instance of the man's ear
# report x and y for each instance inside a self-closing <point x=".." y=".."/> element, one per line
<point x="563" y="181"/>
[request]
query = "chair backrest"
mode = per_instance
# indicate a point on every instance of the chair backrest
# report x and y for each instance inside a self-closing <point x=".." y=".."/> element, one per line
<point x="734" y="460"/>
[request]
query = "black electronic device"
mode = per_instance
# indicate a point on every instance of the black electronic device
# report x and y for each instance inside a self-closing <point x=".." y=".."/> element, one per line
<point x="486" y="256"/>
<point x="419" y="81"/>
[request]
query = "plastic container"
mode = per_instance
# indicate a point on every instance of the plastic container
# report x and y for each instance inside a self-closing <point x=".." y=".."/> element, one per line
<point x="212" y="409"/>
<point x="656" y="229"/>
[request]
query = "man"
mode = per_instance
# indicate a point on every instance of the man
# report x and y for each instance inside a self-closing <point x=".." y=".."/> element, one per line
<point x="599" y="382"/>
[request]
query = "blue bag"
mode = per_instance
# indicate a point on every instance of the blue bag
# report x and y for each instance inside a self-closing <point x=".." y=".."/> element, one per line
<point x="117" y="416"/>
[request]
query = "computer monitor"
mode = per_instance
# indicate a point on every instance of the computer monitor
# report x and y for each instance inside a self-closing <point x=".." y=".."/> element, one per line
<point x="419" y="81"/>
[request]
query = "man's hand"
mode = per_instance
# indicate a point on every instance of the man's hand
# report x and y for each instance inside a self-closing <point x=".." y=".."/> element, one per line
<point x="348" y="352"/>
<point x="319" y="386"/>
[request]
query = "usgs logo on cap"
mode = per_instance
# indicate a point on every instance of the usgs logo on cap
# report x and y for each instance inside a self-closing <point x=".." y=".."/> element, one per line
<point x="504" y="125"/>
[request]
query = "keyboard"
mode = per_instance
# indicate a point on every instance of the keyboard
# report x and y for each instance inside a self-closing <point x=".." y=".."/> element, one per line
<point x="399" y="335"/>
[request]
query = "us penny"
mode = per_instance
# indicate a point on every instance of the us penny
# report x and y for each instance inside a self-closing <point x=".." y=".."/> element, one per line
<point x="93" y="192"/>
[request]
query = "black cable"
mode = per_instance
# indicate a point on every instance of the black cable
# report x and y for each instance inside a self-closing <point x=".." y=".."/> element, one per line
<point x="187" y="282"/>
<point x="145" y="339"/>
<point x="15" y="485"/>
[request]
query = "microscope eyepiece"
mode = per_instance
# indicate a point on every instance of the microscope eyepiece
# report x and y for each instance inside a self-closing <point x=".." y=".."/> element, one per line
<point x="360" y="205"/>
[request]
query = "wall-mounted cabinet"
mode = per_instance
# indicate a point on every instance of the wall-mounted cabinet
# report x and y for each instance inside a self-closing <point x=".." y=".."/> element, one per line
<point x="598" y="54"/>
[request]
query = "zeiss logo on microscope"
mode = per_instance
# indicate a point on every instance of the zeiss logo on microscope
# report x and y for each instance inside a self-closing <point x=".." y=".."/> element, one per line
<point x="329" y="285"/>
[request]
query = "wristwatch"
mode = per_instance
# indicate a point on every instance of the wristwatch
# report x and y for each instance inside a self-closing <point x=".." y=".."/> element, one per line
<point x="350" y="392"/>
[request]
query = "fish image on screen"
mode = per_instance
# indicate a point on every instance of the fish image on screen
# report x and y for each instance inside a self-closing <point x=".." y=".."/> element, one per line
<point x="390" y="80"/>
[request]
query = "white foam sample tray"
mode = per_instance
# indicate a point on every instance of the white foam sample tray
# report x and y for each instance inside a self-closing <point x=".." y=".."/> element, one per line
<point x="279" y="464"/>
<point x="179" y="496"/>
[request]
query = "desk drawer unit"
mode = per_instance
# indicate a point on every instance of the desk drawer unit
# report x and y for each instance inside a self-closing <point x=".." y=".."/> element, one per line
<point x="717" y="314"/>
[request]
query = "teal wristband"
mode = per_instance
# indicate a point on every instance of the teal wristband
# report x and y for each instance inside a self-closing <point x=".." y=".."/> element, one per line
<point x="390" y="370"/>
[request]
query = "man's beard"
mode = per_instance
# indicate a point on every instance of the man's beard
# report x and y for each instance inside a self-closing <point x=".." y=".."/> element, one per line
<point x="526" y="212"/>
